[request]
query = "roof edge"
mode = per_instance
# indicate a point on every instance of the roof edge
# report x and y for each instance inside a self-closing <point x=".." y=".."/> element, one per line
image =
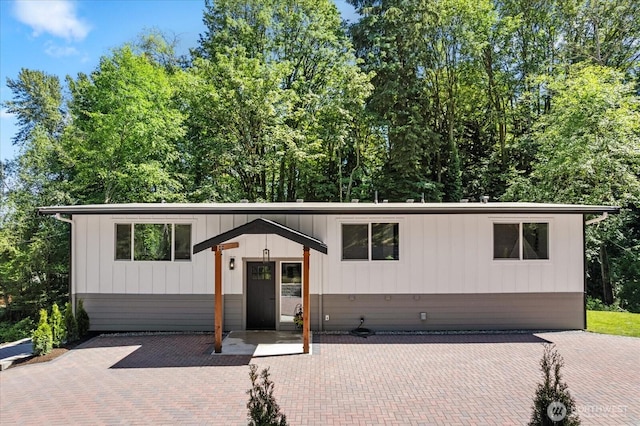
<point x="327" y="208"/>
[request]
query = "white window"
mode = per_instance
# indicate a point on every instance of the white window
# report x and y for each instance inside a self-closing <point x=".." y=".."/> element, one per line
<point x="521" y="241"/>
<point x="153" y="241"/>
<point x="370" y="241"/>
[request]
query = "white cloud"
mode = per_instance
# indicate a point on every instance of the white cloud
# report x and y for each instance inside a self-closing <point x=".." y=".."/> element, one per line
<point x="56" y="51"/>
<point x="56" y="17"/>
<point x="5" y="114"/>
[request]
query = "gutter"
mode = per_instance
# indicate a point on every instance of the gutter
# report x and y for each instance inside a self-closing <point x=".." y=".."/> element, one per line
<point x="72" y="252"/>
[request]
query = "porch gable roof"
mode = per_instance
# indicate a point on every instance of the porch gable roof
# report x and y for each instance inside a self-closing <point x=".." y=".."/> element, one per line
<point x="263" y="226"/>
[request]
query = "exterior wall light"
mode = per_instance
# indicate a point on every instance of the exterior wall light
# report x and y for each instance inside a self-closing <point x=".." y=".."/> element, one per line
<point x="232" y="263"/>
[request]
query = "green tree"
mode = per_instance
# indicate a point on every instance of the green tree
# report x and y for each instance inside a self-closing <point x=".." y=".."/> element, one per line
<point x="82" y="319"/>
<point x="70" y="323"/>
<point x="58" y="331"/>
<point x="587" y="153"/>
<point x="386" y="38"/>
<point x="428" y="64"/>
<point x="553" y="404"/>
<point x="603" y="32"/>
<point x="121" y="146"/>
<point x="286" y="92"/>
<point x="262" y="405"/>
<point x="42" y="337"/>
<point x="33" y="249"/>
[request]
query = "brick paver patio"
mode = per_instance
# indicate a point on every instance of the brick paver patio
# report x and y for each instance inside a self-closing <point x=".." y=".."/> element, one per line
<point x="384" y="379"/>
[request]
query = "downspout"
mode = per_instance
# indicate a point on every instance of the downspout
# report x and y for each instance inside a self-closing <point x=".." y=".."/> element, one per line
<point x="595" y="220"/>
<point x="598" y="219"/>
<point x="72" y="251"/>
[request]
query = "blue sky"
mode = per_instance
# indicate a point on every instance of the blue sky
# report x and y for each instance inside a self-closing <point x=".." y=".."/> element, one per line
<point x="65" y="37"/>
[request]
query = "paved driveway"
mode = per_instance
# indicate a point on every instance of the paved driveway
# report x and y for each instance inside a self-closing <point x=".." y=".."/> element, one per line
<point x="385" y="379"/>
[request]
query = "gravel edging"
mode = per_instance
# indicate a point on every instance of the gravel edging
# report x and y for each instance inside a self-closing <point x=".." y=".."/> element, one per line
<point x="446" y="332"/>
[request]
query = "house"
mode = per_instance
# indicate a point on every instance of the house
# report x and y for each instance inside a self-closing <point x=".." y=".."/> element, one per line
<point x="400" y="266"/>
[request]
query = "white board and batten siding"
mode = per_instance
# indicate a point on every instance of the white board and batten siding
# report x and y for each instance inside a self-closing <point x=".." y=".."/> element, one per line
<point x="444" y="254"/>
<point x="441" y="257"/>
<point x="97" y="271"/>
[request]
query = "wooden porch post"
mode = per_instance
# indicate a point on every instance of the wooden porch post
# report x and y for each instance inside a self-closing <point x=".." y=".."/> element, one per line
<point x="306" y="326"/>
<point x="217" y="346"/>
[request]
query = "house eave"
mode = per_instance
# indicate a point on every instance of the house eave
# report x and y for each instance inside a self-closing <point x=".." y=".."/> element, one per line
<point x="328" y="208"/>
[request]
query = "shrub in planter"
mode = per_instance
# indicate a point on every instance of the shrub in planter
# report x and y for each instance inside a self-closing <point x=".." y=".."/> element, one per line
<point x="82" y="318"/>
<point x="57" y="326"/>
<point x="553" y="404"/>
<point x="11" y="332"/>
<point x="262" y="406"/>
<point x="70" y="323"/>
<point x="42" y="338"/>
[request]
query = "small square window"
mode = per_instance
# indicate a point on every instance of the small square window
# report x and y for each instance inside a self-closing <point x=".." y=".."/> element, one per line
<point x="355" y="241"/>
<point x="152" y="241"/>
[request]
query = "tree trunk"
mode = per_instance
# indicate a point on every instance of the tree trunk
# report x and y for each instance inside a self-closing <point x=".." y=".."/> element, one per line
<point x="607" y="290"/>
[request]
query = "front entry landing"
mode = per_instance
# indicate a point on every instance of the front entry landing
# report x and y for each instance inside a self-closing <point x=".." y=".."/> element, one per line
<point x="262" y="343"/>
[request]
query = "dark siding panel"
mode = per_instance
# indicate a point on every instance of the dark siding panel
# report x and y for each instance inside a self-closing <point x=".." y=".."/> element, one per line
<point x="560" y="311"/>
<point x="149" y="312"/>
<point x="233" y="311"/>
<point x="137" y="312"/>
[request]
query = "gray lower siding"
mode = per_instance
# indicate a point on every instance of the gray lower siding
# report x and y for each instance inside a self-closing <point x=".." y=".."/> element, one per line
<point x="504" y="311"/>
<point x="499" y="311"/>
<point x="148" y="312"/>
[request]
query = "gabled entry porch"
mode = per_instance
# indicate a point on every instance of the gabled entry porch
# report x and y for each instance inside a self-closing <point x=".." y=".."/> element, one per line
<point x="260" y="285"/>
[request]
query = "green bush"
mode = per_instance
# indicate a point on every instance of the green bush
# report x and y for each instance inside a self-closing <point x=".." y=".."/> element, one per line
<point x="630" y="296"/>
<point x="70" y="323"/>
<point x="42" y="338"/>
<point x="262" y="406"/>
<point x="82" y="318"/>
<point x="57" y="326"/>
<point x="10" y="332"/>
<point x="553" y="404"/>
<point x="595" y="304"/>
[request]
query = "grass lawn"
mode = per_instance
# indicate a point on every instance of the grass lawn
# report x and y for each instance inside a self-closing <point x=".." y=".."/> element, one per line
<point x="620" y="323"/>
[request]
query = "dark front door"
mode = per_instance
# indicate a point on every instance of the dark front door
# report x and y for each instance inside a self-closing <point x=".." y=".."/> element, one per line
<point x="261" y="296"/>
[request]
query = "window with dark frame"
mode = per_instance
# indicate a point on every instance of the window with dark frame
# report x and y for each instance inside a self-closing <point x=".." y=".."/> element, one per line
<point x="123" y="241"/>
<point x="521" y="241"/>
<point x="385" y="241"/>
<point x="153" y="241"/>
<point x="506" y="241"/>
<point x="182" y="244"/>
<point x="370" y="241"/>
<point x="355" y="241"/>
<point x="535" y="241"/>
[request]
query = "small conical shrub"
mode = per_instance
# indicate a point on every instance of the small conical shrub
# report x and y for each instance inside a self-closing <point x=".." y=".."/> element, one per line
<point x="42" y="338"/>
<point x="57" y="326"/>
<point x="82" y="318"/>
<point x="553" y="404"/>
<point x="70" y="323"/>
<point x="262" y="406"/>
